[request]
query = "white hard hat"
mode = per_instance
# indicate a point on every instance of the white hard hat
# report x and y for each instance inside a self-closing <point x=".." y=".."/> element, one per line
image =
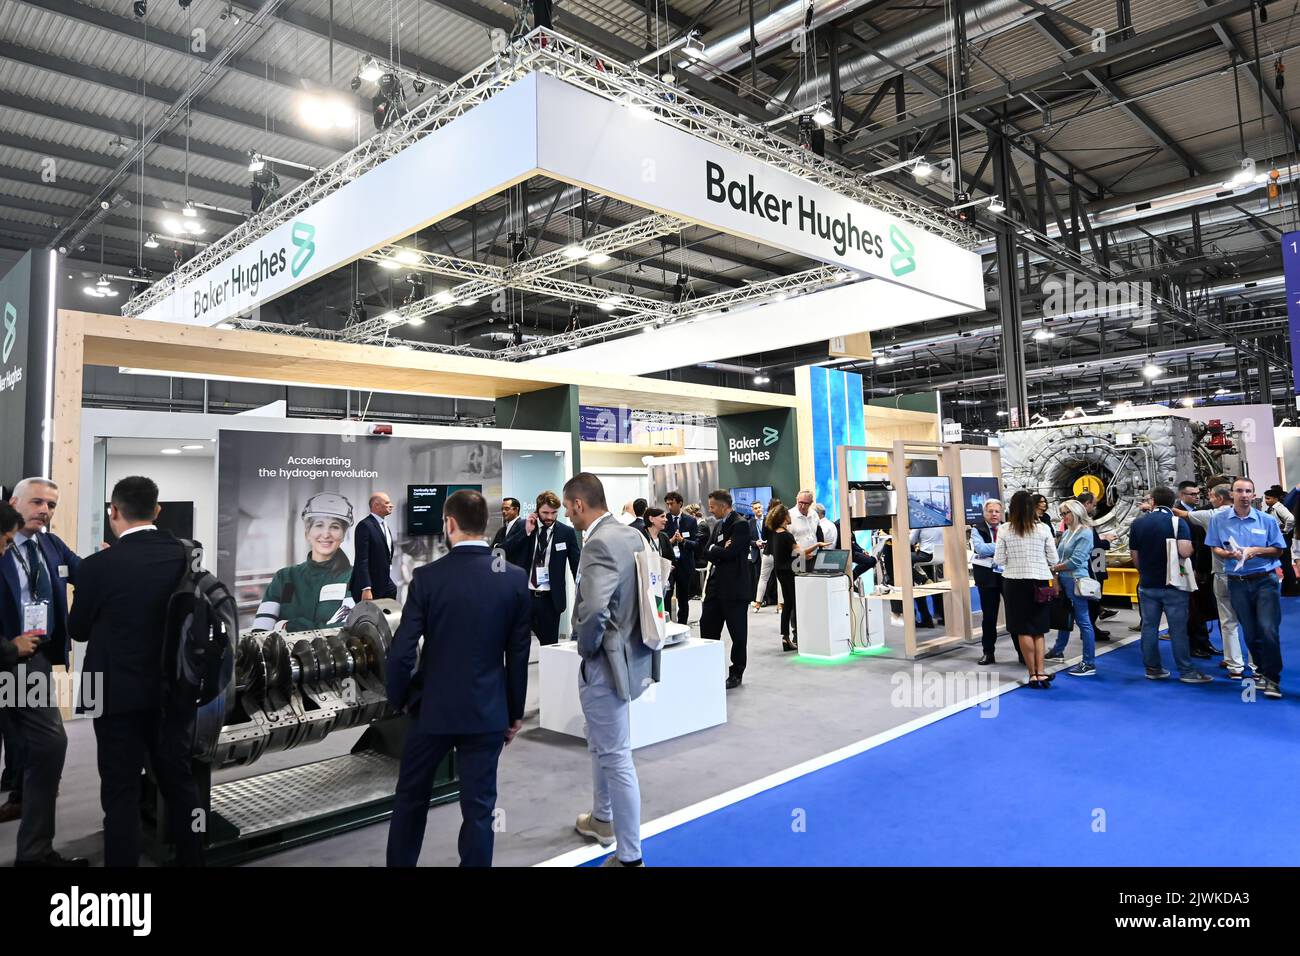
<point x="328" y="505"/>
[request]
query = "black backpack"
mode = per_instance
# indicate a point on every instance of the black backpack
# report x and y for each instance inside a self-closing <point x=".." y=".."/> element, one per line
<point x="202" y="628"/>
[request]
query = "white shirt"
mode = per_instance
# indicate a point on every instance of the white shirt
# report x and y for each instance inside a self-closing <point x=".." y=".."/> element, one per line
<point x="804" y="527"/>
<point x="139" y="527"/>
<point x="1283" y="516"/>
<point x="24" y="587"/>
<point x="830" y="533"/>
<point x="477" y="543"/>
<point x="592" y="527"/>
<point x="931" y="540"/>
<point x="1027" y="557"/>
<point x="546" y="559"/>
<point x="388" y="535"/>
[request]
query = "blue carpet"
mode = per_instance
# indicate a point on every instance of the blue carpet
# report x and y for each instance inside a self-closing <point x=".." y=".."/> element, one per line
<point x="1112" y="770"/>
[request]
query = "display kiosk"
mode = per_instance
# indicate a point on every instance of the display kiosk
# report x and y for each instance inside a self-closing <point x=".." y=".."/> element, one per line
<point x="937" y="503"/>
<point x="824" y="623"/>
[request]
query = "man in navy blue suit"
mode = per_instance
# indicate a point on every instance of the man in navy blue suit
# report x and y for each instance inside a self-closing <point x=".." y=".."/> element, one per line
<point x="372" y="570"/>
<point x="681" y="529"/>
<point x="542" y="546"/>
<point x="37" y="570"/>
<point x="467" y="691"/>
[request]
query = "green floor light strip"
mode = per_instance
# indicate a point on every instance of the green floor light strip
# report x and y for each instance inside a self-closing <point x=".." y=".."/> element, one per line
<point x="839" y="659"/>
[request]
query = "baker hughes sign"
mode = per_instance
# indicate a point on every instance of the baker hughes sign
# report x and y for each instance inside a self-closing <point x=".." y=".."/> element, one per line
<point x="758" y="449"/>
<point x="245" y="275"/>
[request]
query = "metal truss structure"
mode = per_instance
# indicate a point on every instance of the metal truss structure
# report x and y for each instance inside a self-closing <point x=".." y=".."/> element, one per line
<point x="548" y="52"/>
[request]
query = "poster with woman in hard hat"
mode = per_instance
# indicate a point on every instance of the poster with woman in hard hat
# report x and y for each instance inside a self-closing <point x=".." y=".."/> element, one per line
<point x="289" y="504"/>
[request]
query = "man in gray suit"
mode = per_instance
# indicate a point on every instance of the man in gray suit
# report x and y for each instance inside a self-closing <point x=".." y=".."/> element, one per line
<point x="616" y="664"/>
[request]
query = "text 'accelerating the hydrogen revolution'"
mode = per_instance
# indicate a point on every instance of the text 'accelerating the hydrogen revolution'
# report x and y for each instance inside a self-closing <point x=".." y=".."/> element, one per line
<point x="802" y="212"/>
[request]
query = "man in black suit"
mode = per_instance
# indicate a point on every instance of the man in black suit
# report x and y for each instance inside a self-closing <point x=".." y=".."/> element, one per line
<point x="984" y="539"/>
<point x="11" y="652"/>
<point x="510" y="508"/>
<point x="372" y="577"/>
<point x="728" y="585"/>
<point x="468" y="692"/>
<point x="121" y="612"/>
<point x="756" y="543"/>
<point x="542" y="546"/>
<point x="37" y="571"/>
<point x="682" y="529"/>
<point x="638" y="510"/>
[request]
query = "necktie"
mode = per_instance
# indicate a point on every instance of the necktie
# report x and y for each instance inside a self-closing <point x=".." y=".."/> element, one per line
<point x="39" y="583"/>
<point x="539" y="556"/>
<point x="995" y="533"/>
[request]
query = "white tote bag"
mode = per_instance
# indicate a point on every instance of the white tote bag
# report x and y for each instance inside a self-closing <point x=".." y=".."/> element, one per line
<point x="1179" y="572"/>
<point x="650" y="596"/>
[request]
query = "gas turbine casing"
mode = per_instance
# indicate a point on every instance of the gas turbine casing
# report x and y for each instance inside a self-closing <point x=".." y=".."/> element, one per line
<point x="1047" y="459"/>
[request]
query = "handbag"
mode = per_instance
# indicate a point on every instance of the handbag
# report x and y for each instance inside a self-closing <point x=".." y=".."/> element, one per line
<point x="652" y="616"/>
<point x="1046" y="593"/>
<point x="1089" y="588"/>
<point x="1179" y="572"/>
<point x="1062" y="616"/>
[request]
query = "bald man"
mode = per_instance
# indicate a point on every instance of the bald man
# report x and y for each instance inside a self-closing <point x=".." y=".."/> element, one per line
<point x="372" y="570"/>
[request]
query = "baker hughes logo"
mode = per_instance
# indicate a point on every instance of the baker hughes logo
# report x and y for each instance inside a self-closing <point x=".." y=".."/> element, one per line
<point x="10" y="377"/>
<point x="11" y="330"/>
<point x="304" y="238"/>
<point x="746" y="451"/>
<point x="249" y="272"/>
<point x="903" y="260"/>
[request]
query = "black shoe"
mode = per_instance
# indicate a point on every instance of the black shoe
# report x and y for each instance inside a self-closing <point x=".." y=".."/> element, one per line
<point x="1102" y="635"/>
<point x="54" y="859"/>
<point x="1106" y="613"/>
<point x="1203" y="655"/>
<point x="788" y="645"/>
<point x="6" y="780"/>
<point x="733" y="683"/>
<point x="986" y="660"/>
<point x="10" y="811"/>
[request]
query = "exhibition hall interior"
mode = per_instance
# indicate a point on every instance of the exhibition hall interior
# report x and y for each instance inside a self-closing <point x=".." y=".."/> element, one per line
<point x="593" y="433"/>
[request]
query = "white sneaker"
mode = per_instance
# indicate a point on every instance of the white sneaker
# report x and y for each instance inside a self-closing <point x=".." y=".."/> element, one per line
<point x="602" y="831"/>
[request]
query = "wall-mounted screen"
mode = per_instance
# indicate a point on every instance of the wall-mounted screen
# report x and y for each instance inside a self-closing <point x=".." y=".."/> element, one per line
<point x="742" y="499"/>
<point x="175" y="516"/>
<point x="424" y="506"/>
<point x="929" y="502"/>
<point x="976" y="492"/>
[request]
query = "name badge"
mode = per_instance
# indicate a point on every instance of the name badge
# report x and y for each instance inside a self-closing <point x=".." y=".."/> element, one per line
<point x="36" y="617"/>
<point x="677" y="551"/>
<point x="562" y="546"/>
<point x="333" y="592"/>
<point x="1257" y="531"/>
<point x="543" y="577"/>
<point x="63" y="570"/>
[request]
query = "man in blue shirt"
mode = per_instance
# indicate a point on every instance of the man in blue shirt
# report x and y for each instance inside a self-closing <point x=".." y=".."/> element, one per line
<point x="1147" y="542"/>
<point x="1251" y="545"/>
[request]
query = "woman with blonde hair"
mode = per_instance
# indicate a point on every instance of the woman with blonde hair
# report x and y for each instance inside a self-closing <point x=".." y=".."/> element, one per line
<point x="1026" y="551"/>
<point x="1075" y="551"/>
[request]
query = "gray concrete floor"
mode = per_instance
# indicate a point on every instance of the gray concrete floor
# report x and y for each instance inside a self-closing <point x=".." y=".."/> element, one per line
<point x="786" y="712"/>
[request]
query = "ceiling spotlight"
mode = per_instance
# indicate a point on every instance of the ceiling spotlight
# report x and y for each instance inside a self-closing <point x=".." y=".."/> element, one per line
<point x="140" y="8"/>
<point x="103" y="282"/>
<point x="1245" y="175"/>
<point x="255" y="162"/>
<point x="151" y="242"/>
<point x="415" y="320"/>
<point x="230" y="14"/>
<point x="884" y="359"/>
<point x="598" y="258"/>
<point x="1102" y="402"/>
<point x="191" y="448"/>
<point x="93" y="292"/>
<point x="575" y="252"/>
<point x="1151" y="370"/>
<point x="1042" y="335"/>
<point x="392" y="318"/>
<point x="370" y="71"/>
<point x="408" y="257"/>
<point x="468" y="302"/>
<point x="189" y="211"/>
<point x="444" y="297"/>
<point x="389" y="264"/>
<point x="1222" y="391"/>
<point x="996" y="205"/>
<point x="610" y="304"/>
<point x="1187" y="401"/>
<point x="634" y="107"/>
<point x="193" y="226"/>
<point x="694" y="47"/>
<point x="922" y="168"/>
<point x="822" y="116"/>
<point x="761" y="379"/>
<point x="419" y="84"/>
<point x="173" y="451"/>
<point x="1002" y="413"/>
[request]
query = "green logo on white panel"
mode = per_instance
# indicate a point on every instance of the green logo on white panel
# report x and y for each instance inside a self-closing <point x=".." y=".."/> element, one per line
<point x="770" y="436"/>
<point x="904" y="259"/>
<point x="304" y="238"/>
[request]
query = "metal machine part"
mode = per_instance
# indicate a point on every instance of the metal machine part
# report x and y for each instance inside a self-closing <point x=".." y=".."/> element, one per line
<point x="1125" y="458"/>
<point x="295" y="689"/>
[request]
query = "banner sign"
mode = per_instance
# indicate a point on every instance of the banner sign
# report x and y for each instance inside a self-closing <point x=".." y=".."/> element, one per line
<point x="586" y="139"/>
<point x="1291" y="271"/>
<point x="759" y="449"/>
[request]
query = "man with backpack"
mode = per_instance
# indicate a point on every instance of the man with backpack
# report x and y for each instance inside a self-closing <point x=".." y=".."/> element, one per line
<point x="121" y="611"/>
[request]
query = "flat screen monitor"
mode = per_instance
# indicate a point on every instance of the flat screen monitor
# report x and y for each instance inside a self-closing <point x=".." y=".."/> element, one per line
<point x="175" y="516"/>
<point x="742" y="499"/>
<point x="831" y="562"/>
<point x="977" y="491"/>
<point x="929" y="502"/>
<point x="424" y="506"/>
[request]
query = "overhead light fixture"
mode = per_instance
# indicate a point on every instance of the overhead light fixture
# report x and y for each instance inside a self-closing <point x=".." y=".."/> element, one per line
<point x="1245" y="175"/>
<point x="575" y="252"/>
<point x="151" y="242"/>
<point x="102" y="282"/>
<point x="822" y="116"/>
<point x="761" y="379"/>
<point x="192" y="448"/>
<point x="1102" y="403"/>
<point x="473" y="301"/>
<point x="1222" y="391"/>
<point x="370" y="70"/>
<point x="415" y="320"/>
<point x="389" y="264"/>
<point x="694" y="46"/>
<point x="392" y="318"/>
<point x="255" y="162"/>
<point x="325" y="112"/>
<point x="230" y="14"/>
<point x="922" y="169"/>
<point x="610" y="304"/>
<point x="444" y="297"/>
<point x="169" y="451"/>
<point x="1042" y="335"/>
<point x="1151" y="370"/>
<point x="93" y="292"/>
<point x="1187" y="401"/>
<point x="885" y="360"/>
<point x="189" y="211"/>
<point x="996" y="205"/>
<point x="408" y="257"/>
<point x="1002" y="413"/>
<point x="193" y="226"/>
<point x="598" y="258"/>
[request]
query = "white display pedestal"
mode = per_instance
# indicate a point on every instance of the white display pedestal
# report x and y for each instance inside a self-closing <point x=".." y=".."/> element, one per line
<point x="822" y="610"/>
<point x="691" y="694"/>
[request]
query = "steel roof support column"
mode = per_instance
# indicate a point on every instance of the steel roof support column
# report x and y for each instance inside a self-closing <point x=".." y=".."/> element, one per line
<point x="1013" y="339"/>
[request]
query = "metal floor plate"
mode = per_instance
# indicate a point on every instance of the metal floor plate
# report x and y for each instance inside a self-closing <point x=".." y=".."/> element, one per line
<point x="285" y="797"/>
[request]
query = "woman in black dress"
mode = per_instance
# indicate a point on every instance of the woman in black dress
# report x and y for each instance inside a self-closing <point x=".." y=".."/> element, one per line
<point x="781" y="546"/>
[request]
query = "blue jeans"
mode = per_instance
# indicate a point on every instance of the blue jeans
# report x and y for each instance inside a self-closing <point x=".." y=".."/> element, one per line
<point x="1082" y="618"/>
<point x="1173" y="604"/>
<point x="1259" y="616"/>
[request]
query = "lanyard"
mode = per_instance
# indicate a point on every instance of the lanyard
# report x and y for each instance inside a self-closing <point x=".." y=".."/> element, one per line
<point x="27" y="568"/>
